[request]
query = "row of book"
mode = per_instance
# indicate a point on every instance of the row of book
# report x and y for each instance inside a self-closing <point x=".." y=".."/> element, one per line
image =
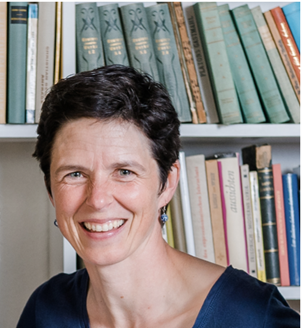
<point x="219" y="65"/>
<point x="242" y="215"/>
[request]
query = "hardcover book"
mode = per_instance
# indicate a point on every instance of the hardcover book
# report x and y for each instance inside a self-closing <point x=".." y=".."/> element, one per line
<point x="292" y="15"/>
<point x="3" y="56"/>
<point x="58" y="43"/>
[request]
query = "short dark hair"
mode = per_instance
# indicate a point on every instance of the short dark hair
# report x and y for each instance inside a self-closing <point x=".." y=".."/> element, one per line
<point x="109" y="93"/>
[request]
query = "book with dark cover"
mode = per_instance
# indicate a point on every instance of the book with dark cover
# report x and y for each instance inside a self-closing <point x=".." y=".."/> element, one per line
<point x="112" y="35"/>
<point x="16" y="69"/>
<point x="89" y="47"/>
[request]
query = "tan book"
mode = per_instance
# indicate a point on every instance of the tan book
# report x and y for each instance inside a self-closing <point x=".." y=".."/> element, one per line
<point x="57" y="70"/>
<point x="185" y="42"/>
<point x="283" y="53"/>
<point x="3" y="54"/>
<point x="216" y="212"/>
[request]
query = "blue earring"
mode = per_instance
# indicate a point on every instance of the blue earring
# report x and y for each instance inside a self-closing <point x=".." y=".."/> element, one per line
<point x="55" y="223"/>
<point x="164" y="217"/>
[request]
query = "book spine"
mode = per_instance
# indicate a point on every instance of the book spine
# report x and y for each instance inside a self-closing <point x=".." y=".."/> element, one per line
<point x="185" y="202"/>
<point x="16" y="73"/>
<point x="138" y="39"/>
<point x="32" y="32"/>
<point x="242" y="76"/>
<point x="248" y="216"/>
<point x="3" y="56"/>
<point x="216" y="212"/>
<point x="282" y="51"/>
<point x="291" y="205"/>
<point x="257" y="222"/>
<point x="282" y="78"/>
<point x="167" y="59"/>
<point x="234" y="228"/>
<point x="88" y="37"/>
<point x="292" y="14"/>
<point x="281" y="228"/>
<point x="45" y="49"/>
<point x="58" y="42"/>
<point x="260" y="65"/>
<point x="210" y="30"/>
<point x="112" y="35"/>
<point x="170" y="236"/>
<point x="185" y="42"/>
<point x="269" y="226"/>
<point x="201" y="67"/>
<point x="200" y="210"/>
<point x="287" y="39"/>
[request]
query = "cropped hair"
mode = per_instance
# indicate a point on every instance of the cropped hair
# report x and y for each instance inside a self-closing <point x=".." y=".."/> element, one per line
<point x="113" y="92"/>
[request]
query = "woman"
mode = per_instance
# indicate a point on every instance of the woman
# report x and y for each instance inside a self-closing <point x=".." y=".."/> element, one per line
<point x="108" y="143"/>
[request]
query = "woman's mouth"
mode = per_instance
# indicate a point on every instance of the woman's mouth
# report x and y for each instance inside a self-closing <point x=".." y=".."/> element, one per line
<point x="97" y="227"/>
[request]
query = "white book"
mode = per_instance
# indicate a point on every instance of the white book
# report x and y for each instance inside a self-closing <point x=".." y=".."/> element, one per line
<point x="200" y="208"/>
<point x="249" y="226"/>
<point x="185" y="202"/>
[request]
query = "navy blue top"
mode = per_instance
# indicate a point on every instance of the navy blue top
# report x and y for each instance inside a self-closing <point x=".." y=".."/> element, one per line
<point x="235" y="300"/>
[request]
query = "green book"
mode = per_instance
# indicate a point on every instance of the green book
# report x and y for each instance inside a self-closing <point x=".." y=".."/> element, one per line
<point x="112" y="35"/>
<point x="244" y="83"/>
<point x="89" y="49"/>
<point x="210" y="31"/>
<point x="167" y="58"/>
<point x="17" y="66"/>
<point x="138" y="39"/>
<point x="285" y="86"/>
<point x="260" y="65"/>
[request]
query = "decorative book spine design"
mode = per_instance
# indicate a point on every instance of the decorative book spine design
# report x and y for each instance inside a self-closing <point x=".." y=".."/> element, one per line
<point x="167" y="59"/>
<point x="16" y="73"/>
<point x="58" y="43"/>
<point x="88" y="38"/>
<point x="3" y="56"/>
<point x="287" y="39"/>
<point x="112" y="35"/>
<point x="32" y="32"/>
<point x="189" y="61"/>
<point x="45" y="59"/>
<point x="283" y="53"/>
<point x="260" y="65"/>
<point x="287" y="91"/>
<point x="242" y="76"/>
<point x="139" y="43"/>
<point x="201" y="67"/>
<point x="215" y="50"/>
<point x="292" y="14"/>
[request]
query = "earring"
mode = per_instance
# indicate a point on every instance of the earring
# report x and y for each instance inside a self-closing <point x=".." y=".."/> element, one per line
<point x="55" y="223"/>
<point x="164" y="217"/>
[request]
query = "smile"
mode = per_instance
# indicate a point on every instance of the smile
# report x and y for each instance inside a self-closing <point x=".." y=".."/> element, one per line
<point x="103" y="227"/>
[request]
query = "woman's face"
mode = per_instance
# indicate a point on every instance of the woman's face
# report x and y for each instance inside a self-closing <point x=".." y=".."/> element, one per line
<point x="105" y="189"/>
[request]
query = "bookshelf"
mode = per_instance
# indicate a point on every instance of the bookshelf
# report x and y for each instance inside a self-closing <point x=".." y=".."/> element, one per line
<point x="36" y="248"/>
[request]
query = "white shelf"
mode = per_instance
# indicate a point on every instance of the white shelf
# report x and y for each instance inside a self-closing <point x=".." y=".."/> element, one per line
<point x="18" y="132"/>
<point x="290" y="293"/>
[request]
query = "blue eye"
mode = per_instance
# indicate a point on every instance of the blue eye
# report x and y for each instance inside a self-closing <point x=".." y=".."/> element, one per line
<point x="75" y="174"/>
<point x="125" y="172"/>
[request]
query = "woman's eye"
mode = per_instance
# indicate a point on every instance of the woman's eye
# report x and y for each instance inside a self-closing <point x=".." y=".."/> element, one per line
<point x="75" y="174"/>
<point x="125" y="172"/>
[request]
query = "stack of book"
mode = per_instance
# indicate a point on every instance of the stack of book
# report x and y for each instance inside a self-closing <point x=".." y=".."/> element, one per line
<point x="245" y="215"/>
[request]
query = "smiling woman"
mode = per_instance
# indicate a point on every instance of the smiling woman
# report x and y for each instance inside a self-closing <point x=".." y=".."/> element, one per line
<point x="108" y="144"/>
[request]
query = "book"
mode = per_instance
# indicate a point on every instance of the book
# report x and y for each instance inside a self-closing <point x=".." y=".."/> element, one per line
<point x="89" y="49"/>
<point x="248" y="216"/>
<point x="45" y="58"/>
<point x="257" y="223"/>
<point x="186" y="46"/>
<point x="169" y="228"/>
<point x="185" y="204"/>
<point x="3" y="56"/>
<point x="16" y="68"/>
<point x="282" y="78"/>
<point x="234" y="225"/>
<point x="167" y="60"/>
<point x="112" y="35"/>
<point x="292" y="15"/>
<point x="201" y="67"/>
<point x="260" y="65"/>
<point x="200" y="209"/>
<point x="138" y="39"/>
<point x="281" y="228"/>
<point x="58" y="43"/>
<point x="210" y="31"/>
<point x="32" y="34"/>
<point x="244" y="83"/>
<point x="216" y="212"/>
<point x="283" y="54"/>
<point x="287" y="39"/>
<point x="291" y="206"/>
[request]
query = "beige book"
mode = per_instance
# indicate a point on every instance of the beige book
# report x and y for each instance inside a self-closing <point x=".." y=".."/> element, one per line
<point x="3" y="55"/>
<point x="58" y="44"/>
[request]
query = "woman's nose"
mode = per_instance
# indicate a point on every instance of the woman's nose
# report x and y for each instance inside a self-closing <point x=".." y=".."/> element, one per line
<point x="99" y="195"/>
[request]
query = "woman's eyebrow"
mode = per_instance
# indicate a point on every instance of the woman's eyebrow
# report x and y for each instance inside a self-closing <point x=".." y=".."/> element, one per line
<point x="69" y="168"/>
<point x="131" y="164"/>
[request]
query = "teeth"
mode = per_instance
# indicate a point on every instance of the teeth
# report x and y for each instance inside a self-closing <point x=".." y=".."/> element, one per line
<point x="103" y="227"/>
